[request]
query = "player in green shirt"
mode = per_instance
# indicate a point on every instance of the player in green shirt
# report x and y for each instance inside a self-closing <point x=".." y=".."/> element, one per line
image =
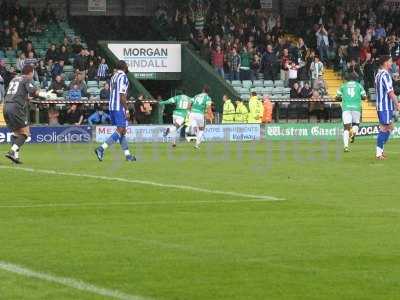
<point x="350" y="93"/>
<point x="200" y="106"/>
<point x="182" y="106"/>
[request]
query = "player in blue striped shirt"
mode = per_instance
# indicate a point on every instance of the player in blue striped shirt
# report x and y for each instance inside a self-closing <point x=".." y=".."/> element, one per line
<point x="119" y="112"/>
<point x="386" y="104"/>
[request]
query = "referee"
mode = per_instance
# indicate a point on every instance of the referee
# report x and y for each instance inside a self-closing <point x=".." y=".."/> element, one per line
<point x="386" y="104"/>
<point x="16" y="110"/>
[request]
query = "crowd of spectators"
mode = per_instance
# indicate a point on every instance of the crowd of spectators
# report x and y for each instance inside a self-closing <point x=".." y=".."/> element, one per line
<point x="243" y="42"/>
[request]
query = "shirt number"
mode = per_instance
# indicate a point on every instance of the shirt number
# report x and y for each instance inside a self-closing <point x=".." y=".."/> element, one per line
<point x="351" y="92"/>
<point x="13" y="88"/>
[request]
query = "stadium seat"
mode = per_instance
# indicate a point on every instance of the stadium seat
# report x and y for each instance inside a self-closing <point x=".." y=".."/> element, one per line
<point x="258" y="83"/>
<point x="247" y="84"/>
<point x="92" y="83"/>
<point x="11" y="54"/>
<point x="244" y="90"/>
<point x="279" y="83"/>
<point x="245" y="97"/>
<point x="236" y="83"/>
<point x="268" y="83"/>
<point x="277" y="90"/>
<point x="2" y="54"/>
<point x="68" y="69"/>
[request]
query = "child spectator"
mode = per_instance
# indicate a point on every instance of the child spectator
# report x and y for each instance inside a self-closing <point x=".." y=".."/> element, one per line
<point x="102" y="72"/>
<point x="74" y="93"/>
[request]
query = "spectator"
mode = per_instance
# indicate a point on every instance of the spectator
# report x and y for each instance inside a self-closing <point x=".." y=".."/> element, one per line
<point x="15" y="38"/>
<point x="295" y="91"/>
<point x="58" y="86"/>
<point x="77" y="46"/>
<point x="306" y="91"/>
<point x="53" y="115"/>
<point x="79" y="81"/>
<point x="29" y="48"/>
<point x="80" y="61"/>
<point x="74" y="115"/>
<point x="268" y="64"/>
<point x="370" y="67"/>
<point x="52" y="53"/>
<point x="322" y="43"/>
<point x="285" y="62"/>
<point x="57" y="69"/>
<point x="42" y="72"/>
<point x="245" y="64"/>
<point x="99" y="117"/>
<point x="255" y="66"/>
<point x="217" y="59"/>
<point x="92" y="71"/>
<point x="74" y="93"/>
<point x="235" y="63"/>
<point x="317" y="69"/>
<point x="354" y="69"/>
<point x="102" y="71"/>
<point x="63" y="55"/>
<point x="105" y="92"/>
<point x="20" y="63"/>
<point x="140" y="111"/>
<point x="292" y="73"/>
<point x="205" y="50"/>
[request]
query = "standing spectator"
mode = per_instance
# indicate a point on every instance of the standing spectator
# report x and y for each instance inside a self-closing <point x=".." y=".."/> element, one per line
<point x="92" y="71"/>
<point x="80" y="61"/>
<point x="15" y="38"/>
<point x="20" y="63"/>
<point x="322" y="43"/>
<point x="370" y="68"/>
<point x="292" y="73"/>
<point x="255" y="66"/>
<point x="102" y="71"/>
<point x="268" y="64"/>
<point x="245" y="64"/>
<point x="140" y="110"/>
<point x="217" y="59"/>
<point x="205" y="51"/>
<point x="317" y="69"/>
<point x="234" y="64"/>
<point x="285" y="61"/>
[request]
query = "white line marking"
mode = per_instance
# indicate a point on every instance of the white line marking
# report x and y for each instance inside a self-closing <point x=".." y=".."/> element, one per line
<point x="69" y="282"/>
<point x="145" y="182"/>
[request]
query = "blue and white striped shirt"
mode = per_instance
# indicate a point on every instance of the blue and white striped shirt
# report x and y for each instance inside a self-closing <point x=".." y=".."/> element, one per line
<point x="102" y="71"/>
<point x="383" y="86"/>
<point x="119" y="85"/>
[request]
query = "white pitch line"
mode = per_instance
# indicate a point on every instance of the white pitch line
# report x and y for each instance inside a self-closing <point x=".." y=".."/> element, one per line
<point x="69" y="282"/>
<point x="145" y="182"/>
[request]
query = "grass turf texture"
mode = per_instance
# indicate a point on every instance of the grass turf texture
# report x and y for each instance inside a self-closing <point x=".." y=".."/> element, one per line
<point x="335" y="236"/>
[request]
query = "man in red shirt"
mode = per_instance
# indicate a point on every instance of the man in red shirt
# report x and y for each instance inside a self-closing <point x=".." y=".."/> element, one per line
<point x="217" y="60"/>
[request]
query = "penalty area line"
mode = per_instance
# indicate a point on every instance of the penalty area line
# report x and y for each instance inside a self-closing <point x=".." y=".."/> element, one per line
<point x="146" y="182"/>
<point x="68" y="282"/>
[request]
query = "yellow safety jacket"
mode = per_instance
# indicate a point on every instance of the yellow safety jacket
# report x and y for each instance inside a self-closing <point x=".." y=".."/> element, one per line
<point x="229" y="112"/>
<point x="242" y="113"/>
<point x="256" y="110"/>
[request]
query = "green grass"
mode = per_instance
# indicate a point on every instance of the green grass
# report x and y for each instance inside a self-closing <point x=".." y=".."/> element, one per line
<point x="336" y="236"/>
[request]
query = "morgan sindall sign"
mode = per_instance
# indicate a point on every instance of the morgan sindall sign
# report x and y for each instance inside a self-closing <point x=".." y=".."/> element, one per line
<point x="149" y="58"/>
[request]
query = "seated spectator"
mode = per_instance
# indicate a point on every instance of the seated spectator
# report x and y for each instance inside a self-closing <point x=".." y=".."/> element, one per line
<point x="79" y="81"/>
<point x="63" y="55"/>
<point x="77" y="46"/>
<point x="92" y="71"/>
<point x="29" y="48"/>
<point x="80" y="61"/>
<point x="295" y="91"/>
<point x="58" y="86"/>
<point x="105" y="92"/>
<point x="42" y="72"/>
<point x="31" y="60"/>
<point x="52" y="53"/>
<point x="306" y="91"/>
<point x="92" y="57"/>
<point x="57" y="69"/>
<point x="74" y="93"/>
<point x="74" y="115"/>
<point x="99" y="117"/>
<point x="317" y="107"/>
<point x="102" y="71"/>
<point x="53" y="115"/>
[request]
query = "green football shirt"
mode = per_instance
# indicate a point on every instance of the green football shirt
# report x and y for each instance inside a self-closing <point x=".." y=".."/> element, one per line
<point x="182" y="103"/>
<point x="200" y="103"/>
<point x="351" y="93"/>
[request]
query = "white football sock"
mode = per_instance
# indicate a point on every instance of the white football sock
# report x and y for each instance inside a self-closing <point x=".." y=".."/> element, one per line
<point x="16" y="154"/>
<point x="15" y="148"/>
<point x="379" y="152"/>
<point x="104" y="146"/>
<point x="346" y="137"/>
<point x="173" y="134"/>
<point x="127" y="152"/>
<point x="199" y="136"/>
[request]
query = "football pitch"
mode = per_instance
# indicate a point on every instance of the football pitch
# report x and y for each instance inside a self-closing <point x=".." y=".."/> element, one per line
<point x="281" y="220"/>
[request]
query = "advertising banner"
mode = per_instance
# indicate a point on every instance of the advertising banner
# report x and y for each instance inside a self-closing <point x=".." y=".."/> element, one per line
<point x="149" y="58"/>
<point x="50" y="135"/>
<point x="154" y="133"/>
